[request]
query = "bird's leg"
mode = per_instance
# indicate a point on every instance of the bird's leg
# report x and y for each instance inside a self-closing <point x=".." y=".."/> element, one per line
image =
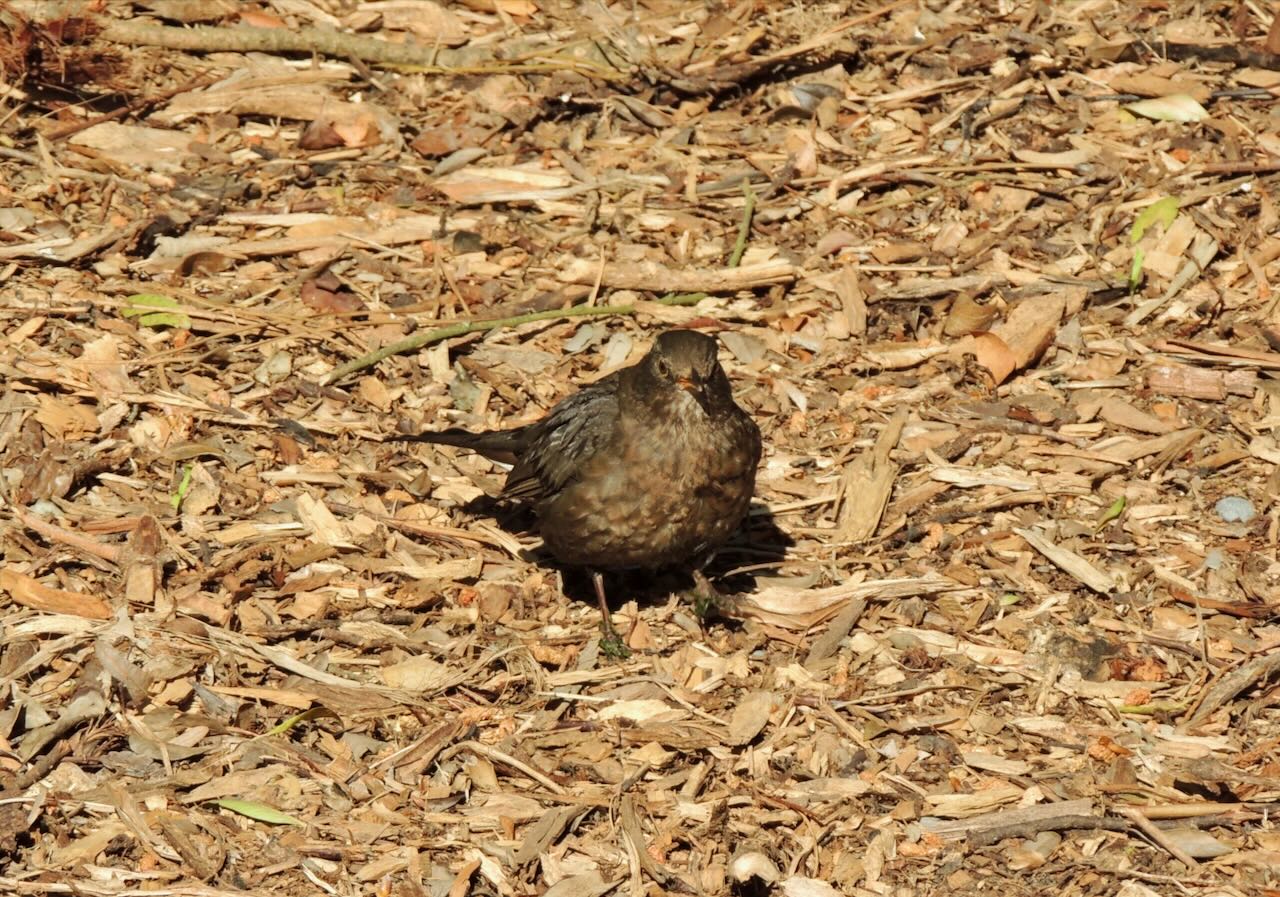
<point x="611" y="643"/>
<point x="702" y="585"/>
<point x="706" y="597"/>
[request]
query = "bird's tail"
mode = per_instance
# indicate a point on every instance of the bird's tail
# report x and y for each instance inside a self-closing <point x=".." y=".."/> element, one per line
<point x="500" y="445"/>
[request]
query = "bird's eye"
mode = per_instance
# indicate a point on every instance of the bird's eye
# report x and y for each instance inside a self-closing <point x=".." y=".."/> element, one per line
<point x="664" y="369"/>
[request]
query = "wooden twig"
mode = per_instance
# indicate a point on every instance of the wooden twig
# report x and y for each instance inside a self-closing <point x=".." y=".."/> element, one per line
<point x="1159" y="837"/>
<point x="56" y="533"/>
<point x="130" y="108"/>
<point x="335" y="44"/>
<point x="1033" y="827"/>
<point x="504" y="759"/>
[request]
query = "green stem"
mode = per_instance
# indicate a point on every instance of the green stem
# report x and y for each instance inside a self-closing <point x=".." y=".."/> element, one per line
<point x="462" y="328"/>
<point x="744" y="229"/>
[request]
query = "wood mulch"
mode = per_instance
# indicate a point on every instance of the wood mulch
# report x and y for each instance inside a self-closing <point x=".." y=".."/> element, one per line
<point x="993" y="278"/>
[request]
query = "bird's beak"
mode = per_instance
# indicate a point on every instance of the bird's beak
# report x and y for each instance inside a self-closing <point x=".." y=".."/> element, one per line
<point x="697" y="389"/>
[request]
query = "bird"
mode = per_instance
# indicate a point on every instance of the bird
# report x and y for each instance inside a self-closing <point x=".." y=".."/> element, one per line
<point x="652" y="466"/>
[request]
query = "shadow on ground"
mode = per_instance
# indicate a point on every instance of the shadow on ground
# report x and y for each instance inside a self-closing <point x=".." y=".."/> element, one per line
<point x="760" y="545"/>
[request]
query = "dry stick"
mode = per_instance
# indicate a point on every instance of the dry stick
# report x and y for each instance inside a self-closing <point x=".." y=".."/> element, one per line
<point x="55" y="533"/>
<point x="634" y="835"/>
<point x="321" y="41"/>
<point x="1181" y="881"/>
<point x="130" y="108"/>
<point x="1033" y="827"/>
<point x="504" y="759"/>
<point x="1155" y="834"/>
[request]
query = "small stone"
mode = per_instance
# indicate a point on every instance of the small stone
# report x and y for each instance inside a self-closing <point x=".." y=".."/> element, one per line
<point x="1234" y="509"/>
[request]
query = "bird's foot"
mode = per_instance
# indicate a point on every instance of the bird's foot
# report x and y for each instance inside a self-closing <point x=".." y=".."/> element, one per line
<point x="706" y="598"/>
<point x="611" y="644"/>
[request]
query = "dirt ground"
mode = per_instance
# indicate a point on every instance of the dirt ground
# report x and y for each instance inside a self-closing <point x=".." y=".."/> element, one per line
<point x="992" y="277"/>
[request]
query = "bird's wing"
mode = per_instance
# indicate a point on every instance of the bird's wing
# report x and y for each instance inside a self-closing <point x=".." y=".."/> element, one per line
<point x="563" y="441"/>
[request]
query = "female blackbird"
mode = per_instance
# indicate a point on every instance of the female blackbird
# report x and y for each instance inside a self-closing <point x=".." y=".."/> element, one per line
<point x="651" y="466"/>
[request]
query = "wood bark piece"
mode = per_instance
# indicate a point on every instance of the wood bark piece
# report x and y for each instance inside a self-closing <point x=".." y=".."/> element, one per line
<point x="1035" y="818"/>
<point x="1202" y="253"/>
<point x="1236" y="681"/>
<point x="638" y="846"/>
<point x="143" y="569"/>
<point x="65" y="249"/>
<point x="867" y="483"/>
<point x="1123" y="414"/>
<point x="802" y="608"/>
<point x="1069" y="562"/>
<point x="655" y="278"/>
<point x="1129" y="451"/>
<point x="409" y="229"/>
<point x="1217" y="353"/>
<point x="825" y="645"/>
<point x="1030" y="327"/>
<point x="30" y="593"/>
<point x="586" y="884"/>
<point x="928" y="287"/>
<point x="1019" y="340"/>
<point x="86" y="706"/>
<point x="543" y="833"/>
<point x="1200" y="383"/>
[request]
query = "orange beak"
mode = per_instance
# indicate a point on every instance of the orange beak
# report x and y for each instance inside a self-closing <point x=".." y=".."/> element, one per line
<point x="685" y="383"/>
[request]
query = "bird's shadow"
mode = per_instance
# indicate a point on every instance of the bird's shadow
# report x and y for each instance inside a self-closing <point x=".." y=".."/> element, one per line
<point x="759" y="543"/>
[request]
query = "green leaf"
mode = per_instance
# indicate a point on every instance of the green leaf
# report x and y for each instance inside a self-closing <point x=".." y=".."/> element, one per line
<point x="1111" y="513"/>
<point x="303" y="717"/>
<point x="139" y="306"/>
<point x="1135" y="270"/>
<point x="183" y="488"/>
<point x="138" y="303"/>
<point x="1161" y="212"/>
<point x="255" y="810"/>
<point x="163" y="319"/>
<point x="1175" y="107"/>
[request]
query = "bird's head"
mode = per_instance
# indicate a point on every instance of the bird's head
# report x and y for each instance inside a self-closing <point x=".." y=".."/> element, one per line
<point x="686" y="360"/>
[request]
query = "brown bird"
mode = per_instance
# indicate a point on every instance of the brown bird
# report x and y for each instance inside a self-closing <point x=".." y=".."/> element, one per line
<point x="651" y="466"/>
